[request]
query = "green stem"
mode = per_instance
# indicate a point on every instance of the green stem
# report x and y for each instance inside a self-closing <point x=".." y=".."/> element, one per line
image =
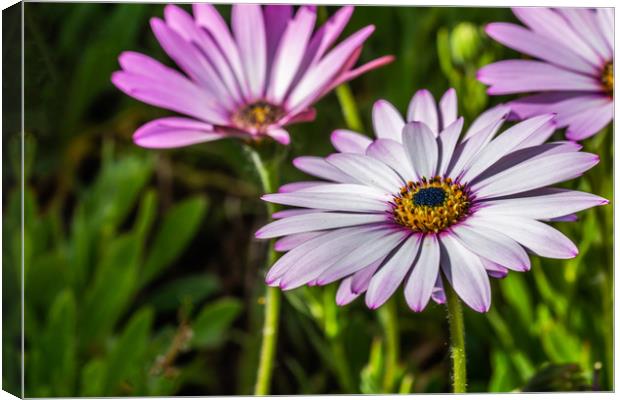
<point x="349" y="108"/>
<point x="388" y="315"/>
<point x="334" y="335"/>
<point x="272" y="296"/>
<point x="457" y="340"/>
<point x="270" y="338"/>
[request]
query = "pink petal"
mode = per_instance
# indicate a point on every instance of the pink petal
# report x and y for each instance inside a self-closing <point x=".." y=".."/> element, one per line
<point x="319" y="76"/>
<point x="249" y="30"/>
<point x="277" y="18"/>
<point x="181" y="22"/>
<point x="533" y="44"/>
<point x="189" y="58"/>
<point x="549" y="23"/>
<point x="584" y="21"/>
<point x="587" y="123"/>
<point x="290" y="53"/>
<point x="521" y="76"/>
<point x="170" y="91"/>
<point x="211" y="20"/>
<point x="279" y="135"/>
<point x="174" y="132"/>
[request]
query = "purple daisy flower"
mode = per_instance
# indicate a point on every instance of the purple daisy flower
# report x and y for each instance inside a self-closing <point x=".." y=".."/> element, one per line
<point x="574" y="70"/>
<point x="419" y="200"/>
<point x="250" y="83"/>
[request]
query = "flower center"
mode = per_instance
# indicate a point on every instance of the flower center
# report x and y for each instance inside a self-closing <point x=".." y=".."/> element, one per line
<point x="258" y="115"/>
<point x="607" y="78"/>
<point x="430" y="205"/>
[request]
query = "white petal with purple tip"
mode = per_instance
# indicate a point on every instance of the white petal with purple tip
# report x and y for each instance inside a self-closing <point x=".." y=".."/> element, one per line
<point x="387" y="121"/>
<point x="385" y="282"/>
<point x="421" y="147"/>
<point x="466" y="274"/>
<point x="315" y="222"/>
<point x="425" y="271"/>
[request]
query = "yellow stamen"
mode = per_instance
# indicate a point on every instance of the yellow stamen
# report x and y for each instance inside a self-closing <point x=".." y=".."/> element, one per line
<point x="258" y="115"/>
<point x="607" y="78"/>
<point x="430" y="205"/>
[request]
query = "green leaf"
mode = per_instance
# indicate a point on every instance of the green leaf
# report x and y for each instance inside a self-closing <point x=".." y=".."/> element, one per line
<point x="127" y="356"/>
<point x="213" y="321"/>
<point x="372" y="374"/>
<point x="502" y="377"/>
<point x="191" y="289"/>
<point x="92" y="379"/>
<point x="115" y="33"/>
<point x="517" y="294"/>
<point x="48" y="276"/>
<point x="60" y="344"/>
<point x="146" y="215"/>
<point x="113" y="287"/>
<point x="177" y="229"/>
<point x="115" y="192"/>
<point x="558" y="378"/>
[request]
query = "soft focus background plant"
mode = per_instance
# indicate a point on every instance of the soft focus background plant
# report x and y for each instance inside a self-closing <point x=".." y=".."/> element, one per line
<point x="142" y="276"/>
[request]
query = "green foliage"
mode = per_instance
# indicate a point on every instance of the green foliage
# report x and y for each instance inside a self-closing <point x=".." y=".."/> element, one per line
<point x="141" y="274"/>
<point x="179" y="225"/>
<point x="213" y="321"/>
<point x="84" y="285"/>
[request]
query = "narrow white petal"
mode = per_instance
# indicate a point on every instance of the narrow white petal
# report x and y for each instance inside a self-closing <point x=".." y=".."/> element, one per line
<point x="421" y="146"/>
<point x="421" y="281"/>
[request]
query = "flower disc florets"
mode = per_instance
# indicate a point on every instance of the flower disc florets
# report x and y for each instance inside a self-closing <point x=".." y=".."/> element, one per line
<point x="431" y="205"/>
<point x="258" y="115"/>
<point x="607" y="78"/>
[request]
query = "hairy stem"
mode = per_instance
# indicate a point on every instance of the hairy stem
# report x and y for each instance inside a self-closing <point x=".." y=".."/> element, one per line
<point x="272" y="296"/>
<point x="457" y="340"/>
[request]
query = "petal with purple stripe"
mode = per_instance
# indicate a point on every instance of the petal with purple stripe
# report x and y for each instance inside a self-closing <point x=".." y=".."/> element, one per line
<point x="385" y="281"/>
<point x="315" y="222"/>
<point x="421" y="281"/>
<point x="465" y="273"/>
<point x="346" y="141"/>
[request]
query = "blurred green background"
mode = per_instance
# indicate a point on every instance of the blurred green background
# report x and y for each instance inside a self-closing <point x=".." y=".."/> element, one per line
<point x="142" y="276"/>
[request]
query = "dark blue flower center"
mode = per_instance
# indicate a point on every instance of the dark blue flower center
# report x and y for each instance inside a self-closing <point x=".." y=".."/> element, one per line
<point x="432" y="197"/>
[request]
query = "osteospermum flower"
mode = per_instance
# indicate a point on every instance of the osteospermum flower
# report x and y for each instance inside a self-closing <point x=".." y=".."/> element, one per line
<point x="574" y="70"/>
<point x="250" y="83"/>
<point x="403" y="208"/>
